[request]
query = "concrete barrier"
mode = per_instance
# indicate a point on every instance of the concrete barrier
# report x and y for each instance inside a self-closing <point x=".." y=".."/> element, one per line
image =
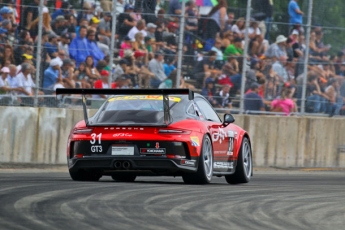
<point x="39" y="136"/>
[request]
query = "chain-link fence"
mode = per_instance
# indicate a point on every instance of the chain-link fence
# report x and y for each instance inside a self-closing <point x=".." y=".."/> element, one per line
<point x="290" y="53"/>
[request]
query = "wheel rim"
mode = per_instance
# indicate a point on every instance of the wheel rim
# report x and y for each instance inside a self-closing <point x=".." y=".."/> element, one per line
<point x="208" y="159"/>
<point x="247" y="159"/>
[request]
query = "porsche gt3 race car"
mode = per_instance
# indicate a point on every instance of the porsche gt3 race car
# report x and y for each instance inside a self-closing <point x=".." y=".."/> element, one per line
<point x="170" y="132"/>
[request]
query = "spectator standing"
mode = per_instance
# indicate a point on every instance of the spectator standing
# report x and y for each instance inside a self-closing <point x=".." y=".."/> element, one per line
<point x="216" y="23"/>
<point x="157" y="68"/>
<point x="296" y="15"/>
<point x="30" y="14"/>
<point x="252" y="100"/>
<point x="174" y="8"/>
<point x="125" y="21"/>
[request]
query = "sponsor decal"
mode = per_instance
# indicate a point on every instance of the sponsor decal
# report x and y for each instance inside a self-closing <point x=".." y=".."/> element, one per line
<point x="231" y="135"/>
<point x="188" y="162"/>
<point x="195" y="141"/>
<point x="157" y="145"/>
<point x="223" y="165"/>
<point x="219" y="135"/>
<point x="122" y="135"/>
<point x="143" y="97"/>
<point x="152" y="151"/>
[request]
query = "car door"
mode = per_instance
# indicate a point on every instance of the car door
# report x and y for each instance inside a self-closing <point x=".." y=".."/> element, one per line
<point x="219" y="135"/>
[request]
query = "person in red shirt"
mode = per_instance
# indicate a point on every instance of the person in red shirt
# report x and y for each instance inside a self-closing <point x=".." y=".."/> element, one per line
<point x="103" y="83"/>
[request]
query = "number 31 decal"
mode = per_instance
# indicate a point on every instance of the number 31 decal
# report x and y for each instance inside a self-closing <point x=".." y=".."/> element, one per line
<point x="94" y="135"/>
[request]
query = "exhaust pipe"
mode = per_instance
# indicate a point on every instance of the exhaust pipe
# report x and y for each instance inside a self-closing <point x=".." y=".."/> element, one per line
<point x="126" y="165"/>
<point x="117" y="164"/>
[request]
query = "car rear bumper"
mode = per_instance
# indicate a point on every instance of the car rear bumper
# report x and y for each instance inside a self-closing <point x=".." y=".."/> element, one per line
<point x="132" y="163"/>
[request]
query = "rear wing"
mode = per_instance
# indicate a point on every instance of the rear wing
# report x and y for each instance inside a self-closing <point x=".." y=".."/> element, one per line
<point x="164" y="92"/>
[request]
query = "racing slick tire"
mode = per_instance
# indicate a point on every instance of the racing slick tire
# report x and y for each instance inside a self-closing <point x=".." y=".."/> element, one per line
<point x="124" y="178"/>
<point x="205" y="166"/>
<point x="81" y="175"/>
<point x="244" y="168"/>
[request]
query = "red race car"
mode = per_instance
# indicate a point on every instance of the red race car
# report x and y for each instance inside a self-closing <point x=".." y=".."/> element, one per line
<point x="169" y="132"/>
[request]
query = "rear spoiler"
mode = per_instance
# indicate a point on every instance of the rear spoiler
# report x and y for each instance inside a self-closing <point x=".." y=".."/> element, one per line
<point x="164" y="92"/>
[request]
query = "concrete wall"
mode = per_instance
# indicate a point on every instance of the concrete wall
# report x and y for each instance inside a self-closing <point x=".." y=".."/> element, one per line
<point x="39" y="135"/>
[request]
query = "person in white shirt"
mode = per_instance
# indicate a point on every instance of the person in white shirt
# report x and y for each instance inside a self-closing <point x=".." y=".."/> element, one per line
<point x="26" y="82"/>
<point x="13" y="80"/>
<point x="139" y="28"/>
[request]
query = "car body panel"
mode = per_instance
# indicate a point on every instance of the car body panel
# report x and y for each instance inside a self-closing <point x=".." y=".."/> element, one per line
<point x="93" y="147"/>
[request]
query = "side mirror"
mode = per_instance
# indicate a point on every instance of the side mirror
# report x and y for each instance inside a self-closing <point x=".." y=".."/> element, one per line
<point x="228" y="119"/>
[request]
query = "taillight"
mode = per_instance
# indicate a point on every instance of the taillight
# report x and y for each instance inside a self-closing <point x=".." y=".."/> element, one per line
<point x="78" y="156"/>
<point x="173" y="131"/>
<point x="82" y="130"/>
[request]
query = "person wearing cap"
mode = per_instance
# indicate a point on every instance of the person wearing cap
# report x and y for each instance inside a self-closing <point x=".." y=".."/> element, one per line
<point x="224" y="99"/>
<point x="59" y="25"/>
<point x="52" y="74"/>
<point x="52" y="46"/>
<point x="209" y="92"/>
<point x="5" y="13"/>
<point x="205" y="68"/>
<point x="277" y="49"/>
<point x="151" y="30"/>
<point x="121" y="68"/>
<point x="140" y="27"/>
<point x="64" y="42"/>
<point x="125" y="21"/>
<point x="157" y="68"/>
<point x="252" y="100"/>
<point x="94" y="22"/>
<point x="102" y="84"/>
<point x="67" y="72"/>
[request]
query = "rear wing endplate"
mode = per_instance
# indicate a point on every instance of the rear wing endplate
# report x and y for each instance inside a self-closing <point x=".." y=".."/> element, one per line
<point x="164" y="92"/>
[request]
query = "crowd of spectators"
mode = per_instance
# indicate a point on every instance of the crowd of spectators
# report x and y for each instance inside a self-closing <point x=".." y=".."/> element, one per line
<point x="75" y="53"/>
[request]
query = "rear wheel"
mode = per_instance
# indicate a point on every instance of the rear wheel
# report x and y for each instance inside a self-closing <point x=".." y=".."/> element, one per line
<point x="82" y="175"/>
<point x="244" y="166"/>
<point x="124" y="178"/>
<point x="205" y="166"/>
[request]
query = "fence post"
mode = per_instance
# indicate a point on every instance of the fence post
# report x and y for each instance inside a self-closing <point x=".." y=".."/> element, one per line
<point x="244" y="66"/>
<point x="112" y="43"/>
<point x="180" y="44"/>
<point x="39" y="51"/>
<point x="306" y="58"/>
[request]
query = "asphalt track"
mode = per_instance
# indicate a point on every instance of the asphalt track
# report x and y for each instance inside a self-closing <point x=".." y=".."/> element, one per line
<point x="274" y="199"/>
